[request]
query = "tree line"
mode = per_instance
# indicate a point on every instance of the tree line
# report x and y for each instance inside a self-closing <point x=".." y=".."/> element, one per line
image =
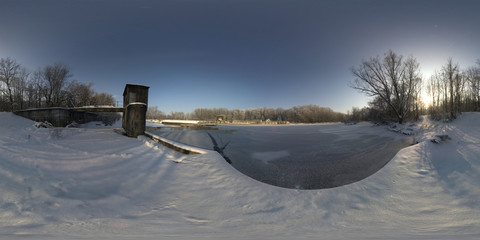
<point x="453" y="90"/>
<point x="50" y="86"/>
<point x="297" y="114"/>
<point x="395" y="85"/>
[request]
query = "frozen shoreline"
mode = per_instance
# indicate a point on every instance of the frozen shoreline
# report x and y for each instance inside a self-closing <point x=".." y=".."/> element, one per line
<point x="93" y="183"/>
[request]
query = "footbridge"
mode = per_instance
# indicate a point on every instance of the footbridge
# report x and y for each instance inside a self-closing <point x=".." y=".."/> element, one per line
<point x="135" y="104"/>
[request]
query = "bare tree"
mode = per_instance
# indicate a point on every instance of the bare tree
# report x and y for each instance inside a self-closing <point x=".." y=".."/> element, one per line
<point x="453" y="84"/>
<point x="103" y="99"/>
<point x="390" y="79"/>
<point x="177" y="115"/>
<point x="410" y="88"/>
<point x="154" y="113"/>
<point x="9" y="75"/>
<point x="56" y="78"/>
<point x="35" y="89"/>
<point x="19" y="86"/>
<point x="472" y="75"/>
<point x="80" y="94"/>
<point x="47" y="87"/>
<point x="434" y="89"/>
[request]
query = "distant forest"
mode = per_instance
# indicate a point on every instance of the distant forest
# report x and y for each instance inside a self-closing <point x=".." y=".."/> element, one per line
<point x="50" y="86"/>
<point x="298" y="114"/>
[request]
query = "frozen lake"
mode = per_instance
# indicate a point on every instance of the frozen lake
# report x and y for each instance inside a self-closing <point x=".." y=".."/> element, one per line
<point x="298" y="156"/>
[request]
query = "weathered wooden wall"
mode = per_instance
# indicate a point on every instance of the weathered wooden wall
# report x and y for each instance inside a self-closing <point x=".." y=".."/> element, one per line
<point x="135" y="93"/>
<point x="135" y="102"/>
<point x="135" y="117"/>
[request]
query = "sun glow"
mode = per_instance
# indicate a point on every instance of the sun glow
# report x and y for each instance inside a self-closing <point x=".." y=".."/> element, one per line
<point x="426" y="99"/>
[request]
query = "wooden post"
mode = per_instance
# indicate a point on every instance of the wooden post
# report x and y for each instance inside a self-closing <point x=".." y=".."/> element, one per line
<point x="135" y="117"/>
<point x="135" y="103"/>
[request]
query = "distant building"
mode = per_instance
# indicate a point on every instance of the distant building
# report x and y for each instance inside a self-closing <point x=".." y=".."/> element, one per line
<point x="221" y="118"/>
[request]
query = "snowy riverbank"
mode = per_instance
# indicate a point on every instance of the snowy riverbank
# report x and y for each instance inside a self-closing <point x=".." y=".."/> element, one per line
<point x="94" y="183"/>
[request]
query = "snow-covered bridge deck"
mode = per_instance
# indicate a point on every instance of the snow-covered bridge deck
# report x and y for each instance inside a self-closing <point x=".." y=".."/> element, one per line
<point x="99" y="109"/>
<point x="60" y="116"/>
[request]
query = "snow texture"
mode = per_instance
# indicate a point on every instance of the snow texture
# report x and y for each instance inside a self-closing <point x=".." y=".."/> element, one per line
<point x="94" y="183"/>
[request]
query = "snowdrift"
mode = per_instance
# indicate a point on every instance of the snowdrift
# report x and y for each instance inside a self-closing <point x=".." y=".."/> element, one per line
<point x="94" y="183"/>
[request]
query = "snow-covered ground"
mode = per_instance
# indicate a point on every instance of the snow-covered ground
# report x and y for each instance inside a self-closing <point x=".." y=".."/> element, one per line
<point x="94" y="183"/>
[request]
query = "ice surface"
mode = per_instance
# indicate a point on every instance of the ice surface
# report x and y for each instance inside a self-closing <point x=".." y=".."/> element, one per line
<point x="313" y="156"/>
<point x="94" y="183"/>
<point x="266" y="157"/>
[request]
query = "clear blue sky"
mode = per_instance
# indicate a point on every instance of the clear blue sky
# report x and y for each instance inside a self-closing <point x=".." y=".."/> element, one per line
<point x="235" y="54"/>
